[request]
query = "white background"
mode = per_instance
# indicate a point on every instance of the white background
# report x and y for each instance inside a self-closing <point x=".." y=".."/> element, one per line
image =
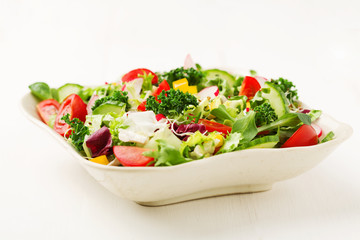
<point x="45" y="194"/>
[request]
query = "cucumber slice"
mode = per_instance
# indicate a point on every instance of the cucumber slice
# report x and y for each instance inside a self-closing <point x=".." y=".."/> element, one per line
<point x="263" y="142"/>
<point x="212" y="74"/>
<point x="276" y="99"/>
<point x="68" y="89"/>
<point x="106" y="108"/>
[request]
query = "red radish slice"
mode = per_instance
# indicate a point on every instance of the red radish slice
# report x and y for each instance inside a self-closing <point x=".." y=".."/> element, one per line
<point x="261" y="80"/>
<point x="189" y="63"/>
<point x="317" y="128"/>
<point x="211" y="92"/>
<point x="91" y="103"/>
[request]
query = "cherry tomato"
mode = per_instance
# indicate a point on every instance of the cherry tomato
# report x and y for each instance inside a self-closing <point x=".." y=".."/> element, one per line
<point x="75" y="106"/>
<point x="249" y="87"/>
<point x="304" y="136"/>
<point x="47" y="108"/>
<point x="132" y="156"/>
<point x="138" y="72"/>
<point x="211" y="126"/>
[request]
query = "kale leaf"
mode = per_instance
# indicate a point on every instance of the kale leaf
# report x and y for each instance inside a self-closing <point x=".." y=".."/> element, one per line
<point x="78" y="131"/>
<point x="193" y="76"/>
<point x="172" y="102"/>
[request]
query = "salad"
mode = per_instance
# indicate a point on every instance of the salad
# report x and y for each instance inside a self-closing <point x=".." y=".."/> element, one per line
<point x="186" y="114"/>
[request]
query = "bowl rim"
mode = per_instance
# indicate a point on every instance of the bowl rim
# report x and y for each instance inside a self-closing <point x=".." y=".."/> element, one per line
<point x="345" y="133"/>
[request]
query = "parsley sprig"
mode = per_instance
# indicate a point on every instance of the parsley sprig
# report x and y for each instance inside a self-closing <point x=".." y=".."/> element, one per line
<point x="172" y="102"/>
<point x="193" y="76"/>
<point x="78" y="131"/>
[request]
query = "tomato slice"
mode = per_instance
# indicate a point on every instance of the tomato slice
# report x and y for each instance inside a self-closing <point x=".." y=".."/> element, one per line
<point x="132" y="156"/>
<point x="304" y="136"/>
<point x="46" y="109"/>
<point x="133" y="74"/>
<point x="75" y="106"/>
<point x="249" y="87"/>
<point x="211" y="126"/>
<point x="142" y="106"/>
<point x="164" y="85"/>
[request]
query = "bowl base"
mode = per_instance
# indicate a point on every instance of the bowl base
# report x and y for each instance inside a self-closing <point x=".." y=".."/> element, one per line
<point x="250" y="188"/>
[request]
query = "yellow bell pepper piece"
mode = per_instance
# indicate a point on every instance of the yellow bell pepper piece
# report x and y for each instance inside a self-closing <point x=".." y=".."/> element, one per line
<point x="181" y="85"/>
<point x="101" y="160"/>
<point x="219" y="140"/>
<point x="192" y="89"/>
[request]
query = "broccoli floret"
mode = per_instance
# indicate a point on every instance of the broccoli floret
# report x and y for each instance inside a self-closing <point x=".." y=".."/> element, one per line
<point x="172" y="102"/>
<point x="288" y="88"/>
<point x="265" y="114"/>
<point x="193" y="76"/>
<point x="118" y="98"/>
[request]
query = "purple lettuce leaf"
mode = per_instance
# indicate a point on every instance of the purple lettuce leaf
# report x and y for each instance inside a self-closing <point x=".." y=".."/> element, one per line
<point x="187" y="128"/>
<point x="100" y="142"/>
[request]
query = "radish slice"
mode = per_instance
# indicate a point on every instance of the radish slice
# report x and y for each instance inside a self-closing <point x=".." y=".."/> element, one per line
<point x="91" y="103"/>
<point x="212" y="92"/>
<point x="261" y="80"/>
<point x="317" y="129"/>
<point x="189" y="63"/>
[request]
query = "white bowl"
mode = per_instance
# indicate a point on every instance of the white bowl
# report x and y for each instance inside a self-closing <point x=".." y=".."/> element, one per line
<point x="243" y="171"/>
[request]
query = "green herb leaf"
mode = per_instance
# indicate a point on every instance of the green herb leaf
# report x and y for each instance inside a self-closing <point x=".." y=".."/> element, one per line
<point x="166" y="155"/>
<point x="172" y="102"/>
<point x="328" y="137"/>
<point x="78" y="131"/>
<point x="221" y="114"/>
<point x="41" y="90"/>
<point x="193" y="76"/>
<point x="246" y="126"/>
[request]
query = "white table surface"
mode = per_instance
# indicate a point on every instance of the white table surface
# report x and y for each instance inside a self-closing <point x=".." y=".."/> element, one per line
<point x="45" y="194"/>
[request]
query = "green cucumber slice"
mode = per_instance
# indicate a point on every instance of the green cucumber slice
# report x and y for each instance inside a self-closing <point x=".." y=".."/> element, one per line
<point x="106" y="108"/>
<point x="68" y="89"/>
<point x="276" y="99"/>
<point x="263" y="142"/>
<point x="212" y="74"/>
